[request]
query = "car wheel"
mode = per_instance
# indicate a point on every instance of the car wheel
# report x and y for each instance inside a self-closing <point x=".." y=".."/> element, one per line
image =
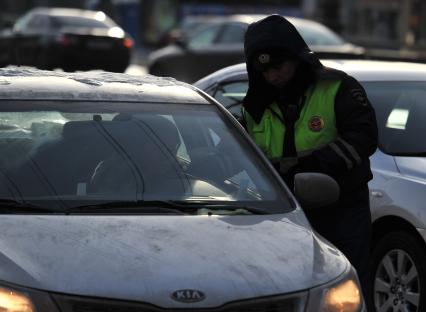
<point x="398" y="273"/>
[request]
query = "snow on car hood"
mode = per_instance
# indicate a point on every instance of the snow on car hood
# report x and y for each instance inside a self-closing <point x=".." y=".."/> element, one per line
<point x="147" y="258"/>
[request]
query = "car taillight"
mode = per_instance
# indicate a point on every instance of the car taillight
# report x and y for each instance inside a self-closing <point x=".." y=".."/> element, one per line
<point x="64" y="40"/>
<point x="128" y="43"/>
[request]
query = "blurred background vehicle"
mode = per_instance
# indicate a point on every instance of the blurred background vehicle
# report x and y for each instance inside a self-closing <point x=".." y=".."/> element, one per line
<point x="218" y="42"/>
<point x="186" y="27"/>
<point x="71" y="39"/>
<point x="386" y="29"/>
<point x="398" y="189"/>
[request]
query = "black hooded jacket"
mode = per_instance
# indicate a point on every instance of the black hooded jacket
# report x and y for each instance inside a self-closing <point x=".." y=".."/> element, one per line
<point x="355" y="118"/>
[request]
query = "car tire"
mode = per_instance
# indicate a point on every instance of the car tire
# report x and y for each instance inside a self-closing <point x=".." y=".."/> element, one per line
<point x="397" y="273"/>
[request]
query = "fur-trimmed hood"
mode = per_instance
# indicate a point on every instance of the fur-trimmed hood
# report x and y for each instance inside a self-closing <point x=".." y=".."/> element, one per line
<point x="275" y="33"/>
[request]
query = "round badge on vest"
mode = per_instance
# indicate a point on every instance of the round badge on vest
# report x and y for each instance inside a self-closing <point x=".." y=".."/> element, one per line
<point x="316" y="123"/>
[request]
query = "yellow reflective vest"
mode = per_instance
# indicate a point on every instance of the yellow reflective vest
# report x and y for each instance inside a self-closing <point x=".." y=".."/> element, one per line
<point x="315" y="127"/>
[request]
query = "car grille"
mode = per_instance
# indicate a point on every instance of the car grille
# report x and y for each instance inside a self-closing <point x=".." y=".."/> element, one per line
<point x="292" y="303"/>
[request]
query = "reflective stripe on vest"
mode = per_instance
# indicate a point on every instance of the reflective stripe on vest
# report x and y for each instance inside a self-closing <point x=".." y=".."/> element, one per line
<point x="315" y="128"/>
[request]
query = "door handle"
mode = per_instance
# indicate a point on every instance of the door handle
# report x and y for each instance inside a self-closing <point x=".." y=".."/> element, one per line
<point x="376" y="194"/>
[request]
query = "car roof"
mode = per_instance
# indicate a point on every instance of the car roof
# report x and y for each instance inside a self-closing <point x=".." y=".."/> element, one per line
<point x="247" y="18"/>
<point x="64" y="11"/>
<point x="373" y="70"/>
<point x="24" y="83"/>
<point x="363" y="70"/>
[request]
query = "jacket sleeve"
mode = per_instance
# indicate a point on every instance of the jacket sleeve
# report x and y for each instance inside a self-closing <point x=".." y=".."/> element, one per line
<point x="357" y="134"/>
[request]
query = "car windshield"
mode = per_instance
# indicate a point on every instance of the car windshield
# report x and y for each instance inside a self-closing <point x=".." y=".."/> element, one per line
<point x="318" y="35"/>
<point x="60" y="21"/>
<point x="204" y="36"/>
<point x="401" y="115"/>
<point x="69" y="154"/>
<point x="313" y="33"/>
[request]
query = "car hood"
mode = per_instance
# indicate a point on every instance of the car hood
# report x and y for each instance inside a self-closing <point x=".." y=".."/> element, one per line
<point x="346" y="48"/>
<point x="167" y="51"/>
<point x="147" y="258"/>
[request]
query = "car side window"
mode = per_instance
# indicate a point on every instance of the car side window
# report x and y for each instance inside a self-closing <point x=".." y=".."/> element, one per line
<point x="37" y="22"/>
<point x="204" y="37"/>
<point x="232" y="34"/>
<point x="22" y="22"/>
<point x="318" y="35"/>
<point x="400" y="114"/>
<point x="231" y="95"/>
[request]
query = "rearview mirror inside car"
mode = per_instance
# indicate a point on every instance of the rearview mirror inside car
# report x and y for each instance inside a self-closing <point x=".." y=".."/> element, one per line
<point x="315" y="190"/>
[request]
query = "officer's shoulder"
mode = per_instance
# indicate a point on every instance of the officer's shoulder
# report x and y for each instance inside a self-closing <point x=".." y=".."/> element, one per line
<point x="328" y="73"/>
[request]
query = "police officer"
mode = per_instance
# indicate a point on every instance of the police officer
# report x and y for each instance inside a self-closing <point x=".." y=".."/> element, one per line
<point x="309" y="118"/>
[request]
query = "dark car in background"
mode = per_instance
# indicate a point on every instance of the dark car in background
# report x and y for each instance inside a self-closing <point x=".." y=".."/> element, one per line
<point x="219" y="43"/>
<point x="71" y="39"/>
<point x="398" y="189"/>
<point x="187" y="26"/>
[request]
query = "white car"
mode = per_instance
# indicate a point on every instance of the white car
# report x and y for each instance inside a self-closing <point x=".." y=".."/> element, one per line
<point x="121" y="193"/>
<point x="398" y="190"/>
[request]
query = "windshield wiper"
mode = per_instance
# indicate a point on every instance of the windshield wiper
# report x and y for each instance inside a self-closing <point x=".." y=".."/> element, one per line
<point x="13" y="206"/>
<point x="162" y="206"/>
<point x="151" y="206"/>
<point x="212" y="206"/>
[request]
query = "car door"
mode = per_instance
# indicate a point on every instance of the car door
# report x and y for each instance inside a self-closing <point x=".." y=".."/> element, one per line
<point x="398" y="186"/>
<point x="398" y="195"/>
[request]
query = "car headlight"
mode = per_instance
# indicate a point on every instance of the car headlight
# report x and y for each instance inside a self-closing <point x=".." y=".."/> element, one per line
<point x="15" y="301"/>
<point x="341" y="295"/>
<point x="18" y="299"/>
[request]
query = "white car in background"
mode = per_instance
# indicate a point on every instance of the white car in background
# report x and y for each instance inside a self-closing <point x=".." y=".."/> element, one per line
<point x="397" y="91"/>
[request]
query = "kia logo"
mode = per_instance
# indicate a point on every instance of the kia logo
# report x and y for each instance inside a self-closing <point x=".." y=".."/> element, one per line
<point x="188" y="295"/>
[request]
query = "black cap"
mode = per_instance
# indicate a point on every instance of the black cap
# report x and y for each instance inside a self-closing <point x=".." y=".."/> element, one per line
<point x="265" y="59"/>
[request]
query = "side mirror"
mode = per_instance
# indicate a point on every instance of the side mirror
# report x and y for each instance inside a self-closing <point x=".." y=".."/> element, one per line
<point x="315" y="190"/>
